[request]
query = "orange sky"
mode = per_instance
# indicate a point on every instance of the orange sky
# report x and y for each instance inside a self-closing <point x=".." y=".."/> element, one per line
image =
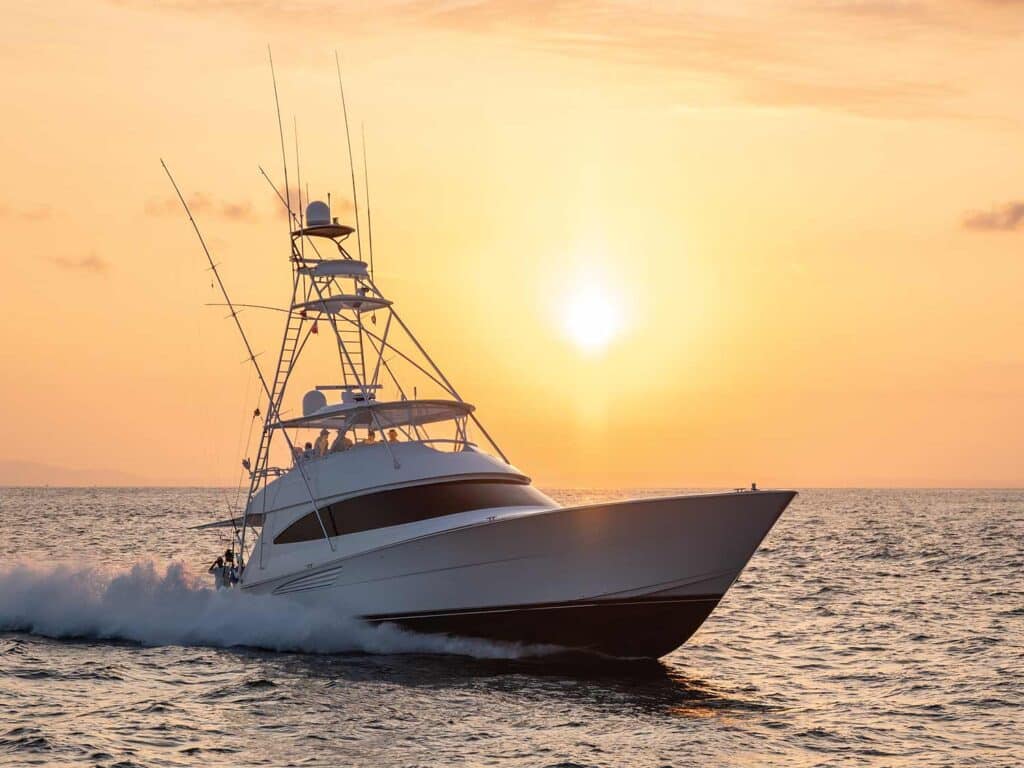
<point x="809" y="215"/>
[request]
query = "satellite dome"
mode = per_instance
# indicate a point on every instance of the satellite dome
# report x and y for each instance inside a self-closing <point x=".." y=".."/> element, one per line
<point x="318" y="214"/>
<point x="313" y="400"/>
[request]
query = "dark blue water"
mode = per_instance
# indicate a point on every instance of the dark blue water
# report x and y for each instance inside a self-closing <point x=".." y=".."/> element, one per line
<point x="872" y="628"/>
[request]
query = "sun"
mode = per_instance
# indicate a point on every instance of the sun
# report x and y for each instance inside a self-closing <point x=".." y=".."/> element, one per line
<point x="591" y="316"/>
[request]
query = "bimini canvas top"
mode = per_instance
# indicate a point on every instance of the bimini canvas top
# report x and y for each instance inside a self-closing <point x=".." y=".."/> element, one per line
<point x="383" y="415"/>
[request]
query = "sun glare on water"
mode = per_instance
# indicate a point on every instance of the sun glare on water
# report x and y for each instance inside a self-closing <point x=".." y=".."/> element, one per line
<point x="592" y="317"/>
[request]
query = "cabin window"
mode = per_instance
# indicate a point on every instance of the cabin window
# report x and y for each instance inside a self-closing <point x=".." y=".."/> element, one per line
<point x="409" y="505"/>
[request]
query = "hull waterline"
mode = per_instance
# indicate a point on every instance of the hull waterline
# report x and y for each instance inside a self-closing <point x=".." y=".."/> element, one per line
<point x="637" y="628"/>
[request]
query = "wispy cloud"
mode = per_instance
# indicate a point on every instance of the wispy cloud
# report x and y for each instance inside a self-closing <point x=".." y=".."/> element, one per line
<point x="1000" y="218"/>
<point x="872" y="58"/>
<point x="201" y="204"/>
<point x="849" y="56"/>
<point x="92" y="264"/>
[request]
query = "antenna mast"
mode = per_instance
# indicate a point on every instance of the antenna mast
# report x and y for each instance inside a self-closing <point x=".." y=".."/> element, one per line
<point x="351" y="165"/>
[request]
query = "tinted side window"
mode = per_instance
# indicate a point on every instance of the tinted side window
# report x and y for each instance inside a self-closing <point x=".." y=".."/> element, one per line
<point x="407" y="505"/>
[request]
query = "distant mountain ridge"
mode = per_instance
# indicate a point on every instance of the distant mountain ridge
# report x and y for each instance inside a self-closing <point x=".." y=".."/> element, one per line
<point x="15" y="472"/>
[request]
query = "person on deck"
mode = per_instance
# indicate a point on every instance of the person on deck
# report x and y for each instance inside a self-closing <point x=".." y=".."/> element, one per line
<point x="341" y="442"/>
<point x="392" y="435"/>
<point x="231" y="568"/>
<point x="321" y="444"/>
<point x="220" y="573"/>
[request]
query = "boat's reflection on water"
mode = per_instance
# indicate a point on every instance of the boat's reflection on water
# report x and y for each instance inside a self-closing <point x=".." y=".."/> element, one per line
<point x="599" y="685"/>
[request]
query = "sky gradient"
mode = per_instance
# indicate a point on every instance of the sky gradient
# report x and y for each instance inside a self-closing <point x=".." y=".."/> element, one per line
<point x="809" y="219"/>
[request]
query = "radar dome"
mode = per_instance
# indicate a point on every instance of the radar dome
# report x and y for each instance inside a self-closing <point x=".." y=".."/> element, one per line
<point x="318" y="214"/>
<point x="313" y="400"/>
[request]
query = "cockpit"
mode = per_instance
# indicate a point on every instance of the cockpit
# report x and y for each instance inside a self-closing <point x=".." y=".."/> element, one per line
<point x="347" y="440"/>
<point x="359" y="420"/>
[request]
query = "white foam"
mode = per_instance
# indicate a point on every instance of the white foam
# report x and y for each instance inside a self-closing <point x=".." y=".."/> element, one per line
<point x="176" y="607"/>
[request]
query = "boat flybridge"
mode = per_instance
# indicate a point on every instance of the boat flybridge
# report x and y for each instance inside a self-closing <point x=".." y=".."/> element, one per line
<point x="370" y="497"/>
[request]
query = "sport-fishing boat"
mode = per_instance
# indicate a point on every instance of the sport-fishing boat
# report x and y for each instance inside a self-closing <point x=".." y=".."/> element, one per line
<point x="380" y="495"/>
<point x="382" y="506"/>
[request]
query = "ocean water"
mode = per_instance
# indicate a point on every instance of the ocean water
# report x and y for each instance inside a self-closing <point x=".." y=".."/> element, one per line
<point x="871" y="628"/>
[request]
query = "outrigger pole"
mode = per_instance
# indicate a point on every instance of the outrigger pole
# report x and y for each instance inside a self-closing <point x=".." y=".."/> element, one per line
<point x="216" y="274"/>
<point x="271" y="411"/>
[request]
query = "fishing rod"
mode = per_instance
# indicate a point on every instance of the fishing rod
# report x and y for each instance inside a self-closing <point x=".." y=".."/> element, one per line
<point x="298" y="182"/>
<point x="280" y="130"/>
<point x="366" y="179"/>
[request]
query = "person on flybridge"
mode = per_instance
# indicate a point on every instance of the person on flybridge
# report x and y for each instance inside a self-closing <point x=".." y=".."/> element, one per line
<point x="341" y="442"/>
<point x="320" y="448"/>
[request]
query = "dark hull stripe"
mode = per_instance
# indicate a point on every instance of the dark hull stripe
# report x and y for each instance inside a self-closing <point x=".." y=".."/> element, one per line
<point x="637" y="627"/>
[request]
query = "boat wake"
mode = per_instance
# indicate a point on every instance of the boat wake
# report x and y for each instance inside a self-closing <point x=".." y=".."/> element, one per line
<point x="158" y="605"/>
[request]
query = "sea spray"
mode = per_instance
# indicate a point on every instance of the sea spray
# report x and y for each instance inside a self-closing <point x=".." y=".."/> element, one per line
<point x="158" y="605"/>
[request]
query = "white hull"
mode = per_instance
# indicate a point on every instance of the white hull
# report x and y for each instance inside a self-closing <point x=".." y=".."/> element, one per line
<point x="633" y="578"/>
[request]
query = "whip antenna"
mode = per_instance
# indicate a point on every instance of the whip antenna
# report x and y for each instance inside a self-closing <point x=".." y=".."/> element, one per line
<point x="351" y="165"/>
<point x="366" y="179"/>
